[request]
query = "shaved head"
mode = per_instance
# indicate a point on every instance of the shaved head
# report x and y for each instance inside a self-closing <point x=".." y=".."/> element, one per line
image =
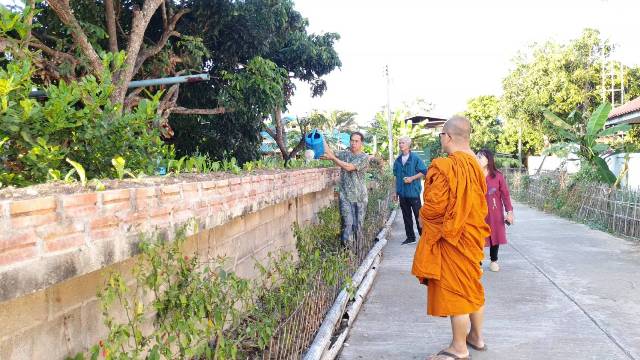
<point x="459" y="128"/>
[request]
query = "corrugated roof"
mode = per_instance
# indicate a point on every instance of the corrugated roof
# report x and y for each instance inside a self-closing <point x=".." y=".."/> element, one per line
<point x="630" y="107"/>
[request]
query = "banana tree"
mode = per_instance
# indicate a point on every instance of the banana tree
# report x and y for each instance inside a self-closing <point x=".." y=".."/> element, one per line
<point x="583" y="138"/>
<point x="399" y="127"/>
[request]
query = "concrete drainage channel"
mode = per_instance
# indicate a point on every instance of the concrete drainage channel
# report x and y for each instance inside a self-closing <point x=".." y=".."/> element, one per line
<point x="337" y="323"/>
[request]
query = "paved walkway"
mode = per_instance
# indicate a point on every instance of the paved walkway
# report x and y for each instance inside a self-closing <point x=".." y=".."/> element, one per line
<point x="564" y="292"/>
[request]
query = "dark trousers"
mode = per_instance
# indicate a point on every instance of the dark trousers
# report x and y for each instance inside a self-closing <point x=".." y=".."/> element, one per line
<point x="410" y="207"/>
<point x="493" y="252"/>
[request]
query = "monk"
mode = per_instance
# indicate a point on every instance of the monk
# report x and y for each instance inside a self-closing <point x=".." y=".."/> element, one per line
<point x="454" y="230"/>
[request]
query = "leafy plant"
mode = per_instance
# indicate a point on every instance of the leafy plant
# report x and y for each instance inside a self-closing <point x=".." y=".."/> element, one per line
<point x="118" y="164"/>
<point x="79" y="169"/>
<point x="586" y="135"/>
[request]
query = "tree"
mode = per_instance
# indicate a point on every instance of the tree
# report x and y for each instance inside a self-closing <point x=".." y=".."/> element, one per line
<point x="74" y="37"/>
<point x="585" y="135"/>
<point x="76" y="124"/>
<point x="482" y="112"/>
<point x="235" y="32"/>
<point x="418" y="133"/>
<point x="558" y="77"/>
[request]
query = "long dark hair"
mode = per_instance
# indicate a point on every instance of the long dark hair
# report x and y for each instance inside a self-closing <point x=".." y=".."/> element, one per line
<point x="491" y="165"/>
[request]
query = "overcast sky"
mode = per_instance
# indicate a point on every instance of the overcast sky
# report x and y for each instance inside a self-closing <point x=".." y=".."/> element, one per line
<point x="447" y="51"/>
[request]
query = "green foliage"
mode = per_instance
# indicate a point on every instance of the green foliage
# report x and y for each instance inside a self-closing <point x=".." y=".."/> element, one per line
<point x="76" y="121"/>
<point x="482" y="112"/>
<point x="418" y="133"/>
<point x="560" y="78"/>
<point x="585" y="136"/>
<point x="238" y="34"/>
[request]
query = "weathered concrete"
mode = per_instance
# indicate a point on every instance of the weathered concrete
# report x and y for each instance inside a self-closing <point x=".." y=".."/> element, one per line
<point x="564" y="292"/>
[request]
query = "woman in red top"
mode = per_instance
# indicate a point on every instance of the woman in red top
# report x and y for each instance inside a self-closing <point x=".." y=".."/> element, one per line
<point x="498" y="201"/>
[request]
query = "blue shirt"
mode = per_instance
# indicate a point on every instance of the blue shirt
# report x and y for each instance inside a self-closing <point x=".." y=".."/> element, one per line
<point x="413" y="166"/>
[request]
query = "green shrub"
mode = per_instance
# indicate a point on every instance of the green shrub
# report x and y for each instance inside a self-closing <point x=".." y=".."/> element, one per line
<point x="76" y="121"/>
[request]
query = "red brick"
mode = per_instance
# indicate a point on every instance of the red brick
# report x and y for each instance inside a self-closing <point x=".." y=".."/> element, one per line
<point x="33" y="220"/>
<point x="64" y="242"/>
<point x="33" y="206"/>
<point x="104" y="233"/>
<point x="235" y="180"/>
<point x="79" y="200"/>
<point x="104" y="222"/>
<point x="15" y="256"/>
<point x="209" y="185"/>
<point x="53" y="231"/>
<point x="115" y="195"/>
<point x="146" y="198"/>
<point x="18" y="240"/>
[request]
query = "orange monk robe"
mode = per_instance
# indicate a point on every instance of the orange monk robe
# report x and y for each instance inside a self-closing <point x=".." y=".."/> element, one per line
<point x="453" y="235"/>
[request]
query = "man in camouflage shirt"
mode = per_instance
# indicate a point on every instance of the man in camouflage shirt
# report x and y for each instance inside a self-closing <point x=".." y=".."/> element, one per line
<point x="353" y="164"/>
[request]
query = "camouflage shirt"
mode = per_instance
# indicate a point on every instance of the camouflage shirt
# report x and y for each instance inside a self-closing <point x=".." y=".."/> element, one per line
<point x="352" y="183"/>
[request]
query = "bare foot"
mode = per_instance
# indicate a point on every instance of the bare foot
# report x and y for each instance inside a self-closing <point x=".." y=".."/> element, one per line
<point x="475" y="342"/>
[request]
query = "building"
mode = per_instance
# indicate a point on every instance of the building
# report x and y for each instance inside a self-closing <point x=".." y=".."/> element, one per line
<point x="628" y="113"/>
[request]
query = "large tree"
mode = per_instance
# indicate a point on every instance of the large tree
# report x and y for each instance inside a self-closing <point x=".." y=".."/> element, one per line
<point x="560" y="78"/>
<point x="235" y="32"/>
<point x="482" y="112"/>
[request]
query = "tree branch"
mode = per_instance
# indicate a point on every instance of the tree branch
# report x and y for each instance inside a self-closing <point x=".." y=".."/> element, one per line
<point x="139" y="25"/>
<point x="110" y="14"/>
<point x="298" y="148"/>
<point x="168" y="33"/>
<point x="65" y="14"/>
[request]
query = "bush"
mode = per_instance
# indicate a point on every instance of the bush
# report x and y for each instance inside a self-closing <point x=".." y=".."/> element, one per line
<point x="75" y="121"/>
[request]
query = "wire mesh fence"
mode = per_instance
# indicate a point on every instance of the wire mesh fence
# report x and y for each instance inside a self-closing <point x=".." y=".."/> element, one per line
<point x="295" y="333"/>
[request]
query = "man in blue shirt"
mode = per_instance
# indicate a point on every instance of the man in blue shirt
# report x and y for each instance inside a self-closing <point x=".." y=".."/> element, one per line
<point x="408" y="170"/>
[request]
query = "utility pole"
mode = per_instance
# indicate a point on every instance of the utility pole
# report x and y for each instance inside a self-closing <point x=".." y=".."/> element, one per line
<point x="389" y="125"/>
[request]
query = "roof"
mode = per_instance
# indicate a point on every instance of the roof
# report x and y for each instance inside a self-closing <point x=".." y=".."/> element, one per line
<point x="631" y="106"/>
<point x="430" y="121"/>
<point x="628" y="113"/>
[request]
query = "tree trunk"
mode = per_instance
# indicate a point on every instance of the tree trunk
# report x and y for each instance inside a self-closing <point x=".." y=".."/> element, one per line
<point x="110" y="15"/>
<point x="139" y="25"/>
<point x="65" y="14"/>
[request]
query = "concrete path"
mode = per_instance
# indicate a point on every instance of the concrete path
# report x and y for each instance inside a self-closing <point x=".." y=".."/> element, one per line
<point x="564" y="292"/>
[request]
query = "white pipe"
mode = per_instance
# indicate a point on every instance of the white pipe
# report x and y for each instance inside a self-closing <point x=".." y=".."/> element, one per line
<point x="323" y="337"/>
<point x="365" y="286"/>
<point x="353" y="310"/>
<point x="324" y="334"/>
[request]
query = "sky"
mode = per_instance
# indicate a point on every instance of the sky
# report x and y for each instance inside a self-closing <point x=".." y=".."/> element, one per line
<point x="446" y="52"/>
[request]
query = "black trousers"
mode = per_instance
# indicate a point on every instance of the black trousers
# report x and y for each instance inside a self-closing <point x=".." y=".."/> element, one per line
<point x="493" y="252"/>
<point x="410" y="207"/>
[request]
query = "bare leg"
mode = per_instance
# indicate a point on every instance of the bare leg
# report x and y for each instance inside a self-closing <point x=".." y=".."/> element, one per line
<point x="475" y="335"/>
<point x="459" y="328"/>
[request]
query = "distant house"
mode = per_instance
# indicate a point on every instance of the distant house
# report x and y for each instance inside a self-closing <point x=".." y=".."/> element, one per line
<point x="628" y="113"/>
<point x="430" y="122"/>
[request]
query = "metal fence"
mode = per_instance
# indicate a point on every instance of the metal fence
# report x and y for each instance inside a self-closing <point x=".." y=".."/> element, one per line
<point x="614" y="210"/>
<point x="294" y="335"/>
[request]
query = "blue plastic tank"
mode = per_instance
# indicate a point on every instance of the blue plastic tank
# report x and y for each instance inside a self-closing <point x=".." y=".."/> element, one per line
<point x="315" y="141"/>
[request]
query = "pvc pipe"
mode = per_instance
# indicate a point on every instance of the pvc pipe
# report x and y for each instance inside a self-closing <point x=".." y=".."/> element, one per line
<point x="353" y="310"/>
<point x="323" y="336"/>
<point x="148" y="82"/>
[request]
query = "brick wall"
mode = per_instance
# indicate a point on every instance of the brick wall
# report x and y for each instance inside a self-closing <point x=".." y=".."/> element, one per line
<point x="56" y="251"/>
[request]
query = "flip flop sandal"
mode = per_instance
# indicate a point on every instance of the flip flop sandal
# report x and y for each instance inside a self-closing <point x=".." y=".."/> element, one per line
<point x="454" y="356"/>
<point x="477" y="348"/>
